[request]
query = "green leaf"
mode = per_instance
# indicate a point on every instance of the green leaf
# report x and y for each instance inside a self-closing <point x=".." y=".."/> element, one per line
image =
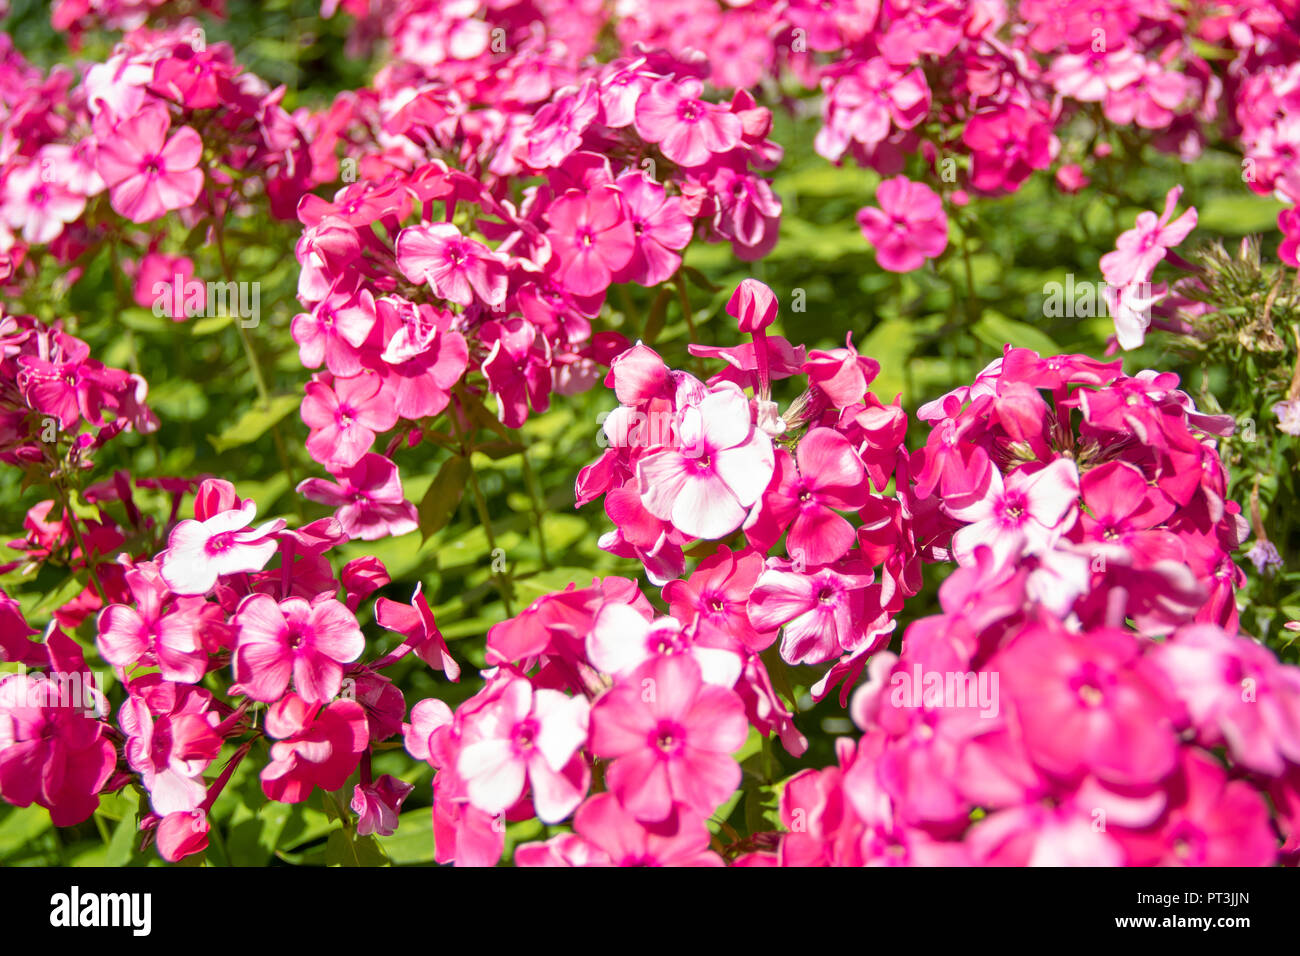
<point x="444" y="495"/>
<point x="1237" y="214"/>
<point x="20" y="827"/>
<point x="345" y="848"/>
<point x="255" y="422"/>
<point x="412" y="841"/>
<point x="121" y="846"/>
<point x="61" y="595"/>
<point x="699" y="279"/>
<point x="533" y="586"/>
<point x="210" y="324"/>
<point x="253" y="842"/>
<point x="143" y="320"/>
<point x="997" y="330"/>
<point x="499" y="448"/>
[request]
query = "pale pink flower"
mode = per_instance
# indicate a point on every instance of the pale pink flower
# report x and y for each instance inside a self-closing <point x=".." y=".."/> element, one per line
<point x="706" y="486"/>
<point x="309" y="642"/>
<point x="1027" y="514"/>
<point x="671" y="736"/>
<point x="456" y="268"/>
<point x="526" y="736"/>
<point x="199" y="552"/>
<point x="1139" y="251"/>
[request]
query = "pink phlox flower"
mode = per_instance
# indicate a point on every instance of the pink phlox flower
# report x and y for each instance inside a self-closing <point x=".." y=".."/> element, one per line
<point x="368" y="497"/>
<point x="200" y="551"/>
<point x="670" y="735"/>
<point x="308" y="641"/>
<point x="528" y="737"/>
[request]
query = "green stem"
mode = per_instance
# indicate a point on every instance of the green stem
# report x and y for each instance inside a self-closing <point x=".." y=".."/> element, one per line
<point x="503" y="581"/>
<point x="263" y="392"/>
<point x="81" y="543"/>
<point x="530" y="479"/>
<point x="689" y="316"/>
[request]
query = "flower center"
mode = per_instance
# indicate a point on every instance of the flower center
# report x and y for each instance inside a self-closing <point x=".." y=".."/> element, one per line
<point x="220" y="543"/>
<point x="669" y="738"/>
<point x="524" y="736"/>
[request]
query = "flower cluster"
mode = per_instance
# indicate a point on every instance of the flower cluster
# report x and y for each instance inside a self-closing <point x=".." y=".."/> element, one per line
<point x="1085" y="670"/>
<point x="1079" y="746"/>
<point x="703" y="460"/>
<point x="475" y="232"/>
<point x="57" y="403"/>
<point x="423" y="279"/>
<point x="1106" y="487"/>
<point x="167" y="124"/>
<point x="594" y="678"/>
<point x="261" y="600"/>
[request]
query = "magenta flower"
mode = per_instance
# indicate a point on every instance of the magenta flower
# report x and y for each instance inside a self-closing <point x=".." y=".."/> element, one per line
<point x="706" y="486"/>
<point x="671" y="737"/>
<point x="147" y="173"/>
<point x="1210" y="821"/>
<point x="171" y="750"/>
<point x="864" y="105"/>
<point x="592" y="237"/>
<point x="315" y="747"/>
<point x="842" y="374"/>
<point x="909" y="227"/>
<point x="660" y="227"/>
<point x="199" y="552"/>
<point x="689" y="131"/>
<point x="526" y="736"/>
<point x="1090" y="703"/>
<point x="1007" y="143"/>
<point x="606" y="834"/>
<point x="309" y="642"/>
<point x="182" y="834"/>
<point x="424" y="357"/>
<point x="344" y="419"/>
<point x="456" y="268"/>
<point x="377" y="804"/>
<point x="1027" y="514"/>
<point x="1288" y="223"/>
<point x="67" y="383"/>
<point x="715" y="597"/>
<point x="334" y="332"/>
<point x="556" y="129"/>
<point x="824" y="474"/>
<point x="368" y="497"/>
<point x="822" y="613"/>
<point x="51" y="751"/>
<point x="753" y="305"/>
<point x="168" y="281"/>
<point x="1237" y="694"/>
<point x="517" y="369"/>
<point x="415" y="622"/>
<point x="1123" y="512"/>
<point x="128" y="635"/>
<point x="1139" y="251"/>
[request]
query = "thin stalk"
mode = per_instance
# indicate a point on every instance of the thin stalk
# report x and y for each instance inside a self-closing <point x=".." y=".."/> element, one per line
<point x="503" y="581"/>
<point x="264" y="393"/>
<point x="530" y="479"/>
